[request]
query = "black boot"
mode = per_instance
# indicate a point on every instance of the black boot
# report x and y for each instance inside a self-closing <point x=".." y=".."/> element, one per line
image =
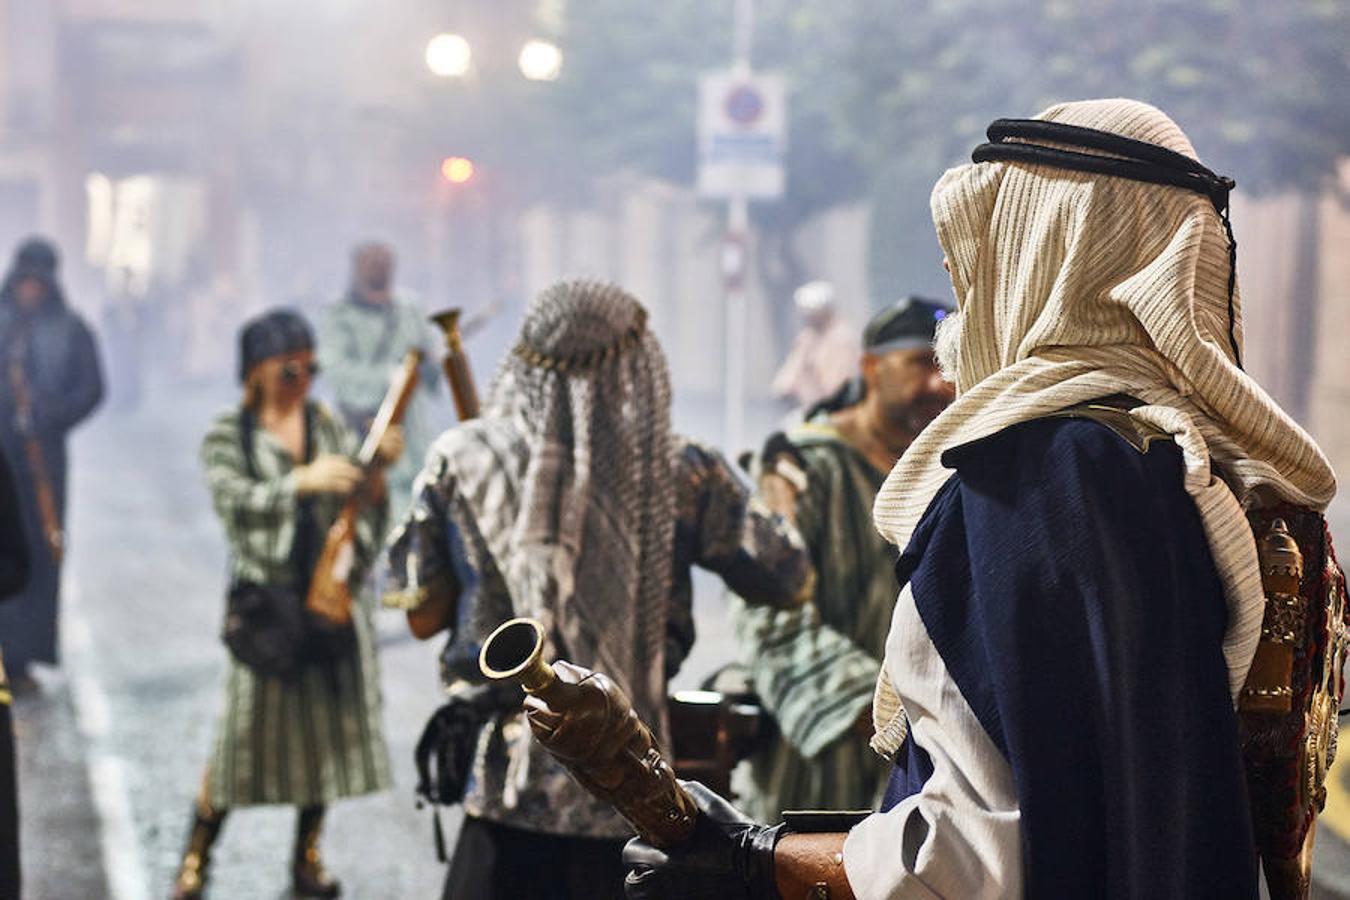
<point x="308" y="878"/>
<point x="191" y="880"/>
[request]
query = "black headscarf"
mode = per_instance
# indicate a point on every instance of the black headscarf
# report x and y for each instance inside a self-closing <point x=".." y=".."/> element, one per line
<point x="36" y="258"/>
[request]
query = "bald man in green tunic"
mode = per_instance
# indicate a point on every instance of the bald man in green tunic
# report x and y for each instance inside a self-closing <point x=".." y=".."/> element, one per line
<point x="815" y="667"/>
<point x="362" y="339"/>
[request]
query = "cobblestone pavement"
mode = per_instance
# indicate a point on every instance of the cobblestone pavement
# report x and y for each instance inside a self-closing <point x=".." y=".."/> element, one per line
<point x="112" y="747"/>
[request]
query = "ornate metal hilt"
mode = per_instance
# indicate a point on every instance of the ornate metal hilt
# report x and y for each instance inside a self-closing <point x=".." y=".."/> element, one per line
<point x="1269" y="687"/>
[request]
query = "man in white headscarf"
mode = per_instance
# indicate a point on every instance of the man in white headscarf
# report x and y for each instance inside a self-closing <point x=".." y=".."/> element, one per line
<point x="572" y="502"/>
<point x="825" y="352"/>
<point x="1081" y="599"/>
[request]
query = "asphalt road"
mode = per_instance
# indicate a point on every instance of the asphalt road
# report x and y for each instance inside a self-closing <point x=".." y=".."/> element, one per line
<point x="112" y="748"/>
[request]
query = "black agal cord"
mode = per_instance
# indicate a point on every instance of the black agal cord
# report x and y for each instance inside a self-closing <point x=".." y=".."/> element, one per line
<point x="1135" y="160"/>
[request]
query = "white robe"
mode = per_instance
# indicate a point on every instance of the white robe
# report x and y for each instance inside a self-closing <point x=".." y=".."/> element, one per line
<point x="960" y="836"/>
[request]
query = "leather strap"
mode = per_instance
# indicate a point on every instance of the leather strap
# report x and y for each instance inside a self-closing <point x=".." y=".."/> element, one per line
<point x="1114" y="413"/>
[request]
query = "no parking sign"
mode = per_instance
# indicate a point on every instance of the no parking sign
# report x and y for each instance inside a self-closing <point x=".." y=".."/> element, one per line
<point x="742" y="135"/>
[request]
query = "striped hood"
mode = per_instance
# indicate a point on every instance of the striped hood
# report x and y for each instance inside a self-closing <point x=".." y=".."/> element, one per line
<point x="1074" y="286"/>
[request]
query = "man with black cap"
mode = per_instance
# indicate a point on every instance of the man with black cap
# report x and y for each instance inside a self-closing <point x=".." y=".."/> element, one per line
<point x="815" y="667"/>
<point x="50" y="380"/>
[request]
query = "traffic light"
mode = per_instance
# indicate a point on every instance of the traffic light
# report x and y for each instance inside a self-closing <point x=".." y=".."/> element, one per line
<point x="457" y="169"/>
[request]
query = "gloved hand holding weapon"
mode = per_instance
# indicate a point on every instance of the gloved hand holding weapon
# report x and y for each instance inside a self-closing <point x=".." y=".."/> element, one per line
<point x="691" y="843"/>
<point x="780" y="473"/>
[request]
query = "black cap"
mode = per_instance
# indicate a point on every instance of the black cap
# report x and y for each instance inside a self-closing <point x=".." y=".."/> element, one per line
<point x="908" y="324"/>
<point x="274" y="333"/>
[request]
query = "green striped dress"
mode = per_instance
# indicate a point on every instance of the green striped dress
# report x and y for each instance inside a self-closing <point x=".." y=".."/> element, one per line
<point x="815" y="667"/>
<point x="318" y="737"/>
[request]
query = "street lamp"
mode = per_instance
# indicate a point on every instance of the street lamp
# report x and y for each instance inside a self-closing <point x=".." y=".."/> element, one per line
<point x="540" y="61"/>
<point x="449" y="55"/>
<point x="456" y="169"/>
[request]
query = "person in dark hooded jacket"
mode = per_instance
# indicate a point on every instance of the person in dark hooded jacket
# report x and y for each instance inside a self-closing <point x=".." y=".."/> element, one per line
<point x="48" y="352"/>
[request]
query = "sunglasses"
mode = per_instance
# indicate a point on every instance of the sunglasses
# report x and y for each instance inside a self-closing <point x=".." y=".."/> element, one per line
<point x="293" y="370"/>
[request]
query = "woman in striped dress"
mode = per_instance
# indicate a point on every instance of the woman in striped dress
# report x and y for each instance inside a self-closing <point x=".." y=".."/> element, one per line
<point x="279" y="468"/>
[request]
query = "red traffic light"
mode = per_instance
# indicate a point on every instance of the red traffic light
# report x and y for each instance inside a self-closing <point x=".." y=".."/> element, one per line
<point x="456" y="169"/>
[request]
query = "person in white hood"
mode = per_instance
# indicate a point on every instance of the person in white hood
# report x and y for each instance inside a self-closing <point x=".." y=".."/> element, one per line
<point x="825" y="353"/>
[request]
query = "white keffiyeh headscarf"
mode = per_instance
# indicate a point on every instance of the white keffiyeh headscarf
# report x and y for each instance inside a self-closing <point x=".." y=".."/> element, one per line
<point x="1073" y="286"/>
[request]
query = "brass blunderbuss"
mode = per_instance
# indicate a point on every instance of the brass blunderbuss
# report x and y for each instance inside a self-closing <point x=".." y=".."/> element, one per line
<point x="589" y="725"/>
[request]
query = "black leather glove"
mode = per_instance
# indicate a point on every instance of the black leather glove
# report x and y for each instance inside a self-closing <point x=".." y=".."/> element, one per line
<point x="728" y="857"/>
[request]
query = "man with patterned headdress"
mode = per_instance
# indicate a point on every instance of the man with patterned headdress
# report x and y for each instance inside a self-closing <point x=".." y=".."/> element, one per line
<point x="1081" y="600"/>
<point x="570" y="501"/>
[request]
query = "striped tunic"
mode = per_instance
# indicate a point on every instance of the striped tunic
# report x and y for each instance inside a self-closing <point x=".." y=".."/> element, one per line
<point x="318" y="737"/>
<point x="815" y="667"/>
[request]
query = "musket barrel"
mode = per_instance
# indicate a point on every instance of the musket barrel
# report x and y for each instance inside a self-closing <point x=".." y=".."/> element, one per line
<point x="456" y="365"/>
<point x="52" y="530"/>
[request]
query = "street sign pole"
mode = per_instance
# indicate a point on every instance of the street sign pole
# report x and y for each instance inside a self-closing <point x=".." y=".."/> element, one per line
<point x="735" y="255"/>
<point x="742" y="139"/>
<point x="738" y="235"/>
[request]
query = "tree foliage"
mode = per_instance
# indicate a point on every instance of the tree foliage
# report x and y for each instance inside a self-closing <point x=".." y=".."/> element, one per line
<point x="885" y="94"/>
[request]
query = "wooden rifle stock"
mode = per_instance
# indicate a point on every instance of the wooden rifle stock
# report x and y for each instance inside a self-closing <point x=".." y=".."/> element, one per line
<point x="52" y="532"/>
<point x="456" y="365"/>
<point x="330" y="592"/>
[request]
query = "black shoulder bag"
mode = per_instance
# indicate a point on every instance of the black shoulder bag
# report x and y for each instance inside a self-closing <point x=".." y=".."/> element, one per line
<point x="449" y="741"/>
<point x="445" y="751"/>
<point x="267" y="627"/>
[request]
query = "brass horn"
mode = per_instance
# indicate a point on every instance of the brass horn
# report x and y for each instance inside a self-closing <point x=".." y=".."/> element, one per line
<point x="515" y="651"/>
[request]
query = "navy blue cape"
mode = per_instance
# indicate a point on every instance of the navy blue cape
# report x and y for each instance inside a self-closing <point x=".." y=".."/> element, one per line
<point x="1065" y="579"/>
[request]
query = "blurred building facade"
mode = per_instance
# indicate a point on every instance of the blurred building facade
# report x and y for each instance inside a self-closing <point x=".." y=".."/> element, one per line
<point x="116" y="140"/>
<point x="1296" y="297"/>
<point x="198" y="159"/>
